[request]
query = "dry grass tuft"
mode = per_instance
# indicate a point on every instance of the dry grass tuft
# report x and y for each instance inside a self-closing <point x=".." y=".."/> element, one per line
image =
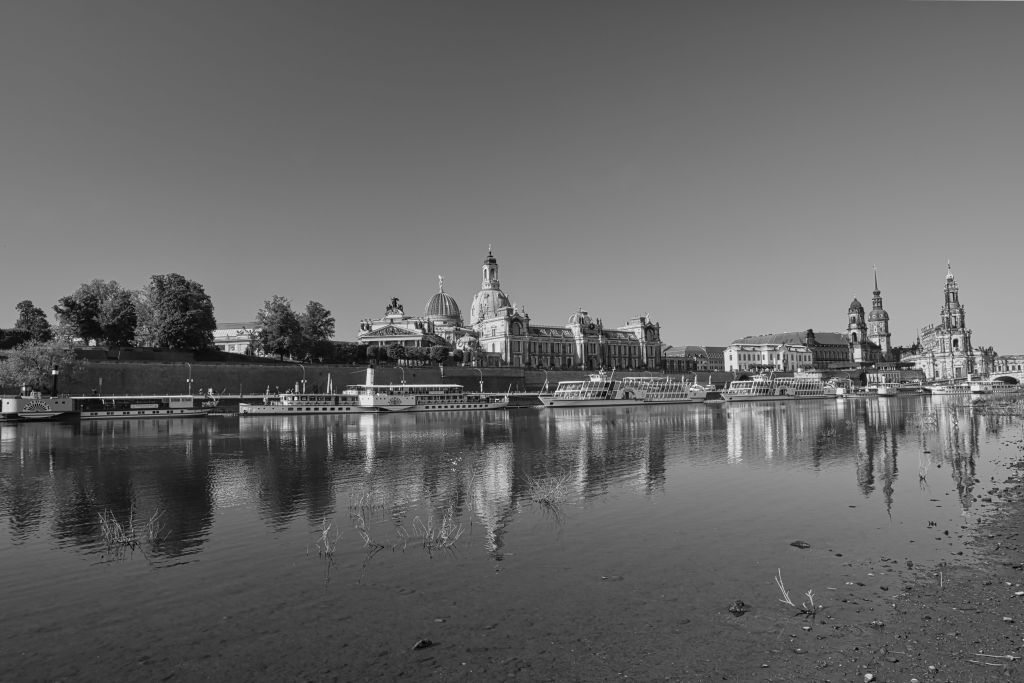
<point x="808" y="608"/>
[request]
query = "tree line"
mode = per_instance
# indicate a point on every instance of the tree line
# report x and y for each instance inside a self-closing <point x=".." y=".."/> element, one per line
<point x="169" y="312"/>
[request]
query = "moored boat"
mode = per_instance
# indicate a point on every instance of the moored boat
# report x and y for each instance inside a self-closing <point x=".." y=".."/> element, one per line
<point x="601" y="389"/>
<point x="953" y="389"/>
<point x="768" y="388"/>
<point x="292" y="403"/>
<point x="120" y="407"/>
<point x="35" y="406"/>
<point x="393" y="398"/>
<point x="995" y="387"/>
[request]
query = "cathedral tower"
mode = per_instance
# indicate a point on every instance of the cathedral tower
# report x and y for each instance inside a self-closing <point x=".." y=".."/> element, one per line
<point x="953" y="323"/>
<point x="878" y="323"/>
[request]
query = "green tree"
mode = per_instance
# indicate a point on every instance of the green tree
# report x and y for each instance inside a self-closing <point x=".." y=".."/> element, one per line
<point x="118" y="317"/>
<point x="375" y="354"/>
<point x="395" y="352"/>
<point x="12" y="337"/>
<point x="175" y="313"/>
<point x="280" y="328"/>
<point x="317" y="329"/>
<point x="91" y="312"/>
<point x="32" y="321"/>
<point x="439" y="354"/>
<point x="31" y="365"/>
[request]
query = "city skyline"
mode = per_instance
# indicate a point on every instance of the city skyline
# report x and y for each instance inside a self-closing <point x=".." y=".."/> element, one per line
<point x="729" y="172"/>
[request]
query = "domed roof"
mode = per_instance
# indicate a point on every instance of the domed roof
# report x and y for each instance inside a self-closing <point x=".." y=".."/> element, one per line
<point x="855" y="306"/>
<point x="486" y="304"/>
<point x="442" y="306"/>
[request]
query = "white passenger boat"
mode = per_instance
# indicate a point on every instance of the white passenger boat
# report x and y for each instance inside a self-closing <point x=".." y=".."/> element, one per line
<point x="393" y="398"/>
<point x="35" y="406"/>
<point x="767" y="388"/>
<point x="120" y="407"/>
<point x="292" y="403"/>
<point x="996" y="388"/>
<point x="955" y="389"/>
<point x="601" y="389"/>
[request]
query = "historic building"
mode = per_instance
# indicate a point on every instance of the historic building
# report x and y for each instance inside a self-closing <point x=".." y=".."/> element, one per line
<point x="236" y="337"/>
<point x="507" y="336"/>
<point x="868" y="335"/>
<point x="500" y="332"/>
<point x="757" y="354"/>
<point x="867" y="342"/>
<point x="681" y="359"/>
<point x="944" y="351"/>
<point x="827" y="349"/>
<point x="440" y="324"/>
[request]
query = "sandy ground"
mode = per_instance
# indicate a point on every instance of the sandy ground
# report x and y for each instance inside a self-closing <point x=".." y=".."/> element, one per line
<point x="952" y="622"/>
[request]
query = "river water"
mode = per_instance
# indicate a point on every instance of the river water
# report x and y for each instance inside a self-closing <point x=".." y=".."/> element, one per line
<point x="529" y="543"/>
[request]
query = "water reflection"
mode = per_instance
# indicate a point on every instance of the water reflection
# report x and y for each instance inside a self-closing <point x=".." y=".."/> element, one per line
<point x="476" y="468"/>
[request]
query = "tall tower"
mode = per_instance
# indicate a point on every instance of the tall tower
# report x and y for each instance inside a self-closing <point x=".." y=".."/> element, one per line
<point x="856" y="331"/>
<point x="953" y="328"/>
<point x="490" y="301"/>
<point x="878" y="323"/>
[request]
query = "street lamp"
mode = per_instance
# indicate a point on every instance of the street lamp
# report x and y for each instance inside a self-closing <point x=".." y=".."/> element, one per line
<point x="303" y="377"/>
<point x="481" y="373"/>
<point x="188" y="381"/>
<point x="54" y="372"/>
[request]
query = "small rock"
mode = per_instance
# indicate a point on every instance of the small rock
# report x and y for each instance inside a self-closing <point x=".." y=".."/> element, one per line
<point x="868" y="678"/>
<point x="738" y="607"/>
<point x="800" y="544"/>
<point x="420" y="644"/>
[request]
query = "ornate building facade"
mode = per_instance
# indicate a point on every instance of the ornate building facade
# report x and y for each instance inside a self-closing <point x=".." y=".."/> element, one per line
<point x="868" y="335"/>
<point x="508" y="336"/>
<point x="945" y="351"/>
<point x="499" y="332"/>
<point x="440" y="324"/>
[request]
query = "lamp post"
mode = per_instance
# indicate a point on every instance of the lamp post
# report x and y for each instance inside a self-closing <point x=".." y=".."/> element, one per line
<point x="188" y="382"/>
<point x="303" y="377"/>
<point x="54" y="372"/>
<point x="481" y="373"/>
<point x="403" y="372"/>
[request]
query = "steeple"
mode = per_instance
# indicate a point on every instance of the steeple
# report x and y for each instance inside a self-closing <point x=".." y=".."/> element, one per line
<point x="490" y="271"/>
<point x="952" y="314"/>
<point x="878" y="321"/>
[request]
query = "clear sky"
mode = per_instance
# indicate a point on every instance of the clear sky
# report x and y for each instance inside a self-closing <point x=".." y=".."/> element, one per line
<point x="730" y="168"/>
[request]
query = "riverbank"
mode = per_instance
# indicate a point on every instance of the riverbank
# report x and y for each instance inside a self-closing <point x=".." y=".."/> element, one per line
<point x="960" y="620"/>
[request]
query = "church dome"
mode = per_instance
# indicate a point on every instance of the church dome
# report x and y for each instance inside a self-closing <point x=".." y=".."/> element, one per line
<point x="877" y="314"/>
<point x="856" y="306"/>
<point x="487" y="303"/>
<point x="442" y="307"/>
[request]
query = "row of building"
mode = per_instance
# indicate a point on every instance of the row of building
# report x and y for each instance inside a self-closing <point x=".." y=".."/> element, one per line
<point x="499" y="332"/>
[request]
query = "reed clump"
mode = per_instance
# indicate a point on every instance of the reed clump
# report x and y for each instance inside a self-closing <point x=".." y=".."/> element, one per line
<point x="438" y="535"/>
<point x="121" y="537"/>
<point x="551" y="493"/>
